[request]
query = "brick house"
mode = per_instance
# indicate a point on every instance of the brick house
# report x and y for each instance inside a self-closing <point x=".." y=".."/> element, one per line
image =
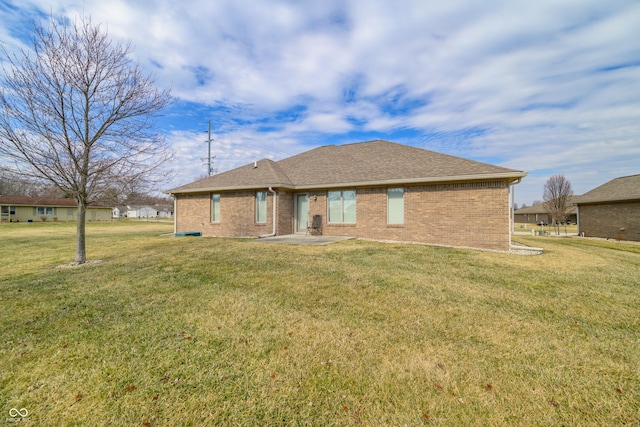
<point x="611" y="210"/>
<point x="36" y="209"/>
<point x="374" y="190"/>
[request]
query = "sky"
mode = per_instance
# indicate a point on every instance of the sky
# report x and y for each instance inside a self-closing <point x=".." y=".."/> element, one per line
<point x="547" y="86"/>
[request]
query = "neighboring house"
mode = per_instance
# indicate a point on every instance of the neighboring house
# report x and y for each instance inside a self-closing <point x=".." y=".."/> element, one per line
<point x="375" y="190"/>
<point x="537" y="213"/>
<point x="157" y="211"/>
<point x="115" y="213"/>
<point x="165" y="211"/>
<point x="33" y="209"/>
<point x="611" y="210"/>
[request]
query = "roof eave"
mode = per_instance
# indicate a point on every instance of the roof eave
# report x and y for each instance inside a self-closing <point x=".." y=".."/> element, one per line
<point x="607" y="200"/>
<point x="512" y="177"/>
<point x="228" y="188"/>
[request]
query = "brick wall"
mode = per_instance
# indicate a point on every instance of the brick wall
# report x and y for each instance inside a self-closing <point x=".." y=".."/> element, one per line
<point x="461" y="214"/>
<point x="285" y="212"/>
<point x="237" y="215"/>
<point x="607" y="220"/>
<point x="472" y="214"/>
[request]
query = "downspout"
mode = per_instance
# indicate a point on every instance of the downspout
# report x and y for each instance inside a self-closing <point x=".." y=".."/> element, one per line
<point x="512" y="211"/>
<point x="273" y="233"/>
<point x="175" y="214"/>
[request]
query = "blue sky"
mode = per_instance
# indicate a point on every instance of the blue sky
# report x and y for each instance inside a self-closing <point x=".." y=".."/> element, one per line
<point x="548" y="87"/>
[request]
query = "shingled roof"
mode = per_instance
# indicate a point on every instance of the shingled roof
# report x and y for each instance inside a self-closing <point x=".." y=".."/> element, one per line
<point x="365" y="163"/>
<point x="43" y="201"/>
<point x="625" y="188"/>
<point x="540" y="209"/>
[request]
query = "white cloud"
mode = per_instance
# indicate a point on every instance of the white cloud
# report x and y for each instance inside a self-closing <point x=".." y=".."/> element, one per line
<point x="546" y="86"/>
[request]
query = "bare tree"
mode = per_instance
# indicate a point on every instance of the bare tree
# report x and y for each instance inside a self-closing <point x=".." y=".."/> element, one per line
<point x="77" y="112"/>
<point x="557" y="192"/>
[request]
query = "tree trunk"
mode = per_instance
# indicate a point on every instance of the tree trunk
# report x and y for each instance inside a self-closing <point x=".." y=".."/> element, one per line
<point x="81" y="252"/>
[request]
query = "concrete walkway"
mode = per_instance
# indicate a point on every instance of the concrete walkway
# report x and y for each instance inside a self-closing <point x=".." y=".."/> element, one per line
<point x="301" y="239"/>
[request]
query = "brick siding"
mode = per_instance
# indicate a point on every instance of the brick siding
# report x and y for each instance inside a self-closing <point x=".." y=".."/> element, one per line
<point x="608" y="220"/>
<point x="474" y="214"/>
<point x="237" y="215"/>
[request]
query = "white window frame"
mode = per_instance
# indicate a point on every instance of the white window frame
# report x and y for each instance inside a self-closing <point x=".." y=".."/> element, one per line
<point x="45" y="210"/>
<point x="395" y="206"/>
<point x="261" y="207"/>
<point x="215" y="207"/>
<point x="344" y="209"/>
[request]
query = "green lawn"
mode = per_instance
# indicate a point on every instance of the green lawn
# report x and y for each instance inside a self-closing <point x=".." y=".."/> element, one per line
<point x="198" y="331"/>
<point x="563" y="229"/>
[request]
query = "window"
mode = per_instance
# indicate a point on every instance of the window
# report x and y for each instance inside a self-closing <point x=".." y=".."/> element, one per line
<point x="44" y="211"/>
<point x="215" y="208"/>
<point x="342" y="206"/>
<point x="395" y="206"/>
<point x="261" y="206"/>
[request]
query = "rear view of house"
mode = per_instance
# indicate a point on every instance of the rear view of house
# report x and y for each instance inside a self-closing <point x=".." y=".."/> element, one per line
<point x="375" y="190"/>
<point x="611" y="210"/>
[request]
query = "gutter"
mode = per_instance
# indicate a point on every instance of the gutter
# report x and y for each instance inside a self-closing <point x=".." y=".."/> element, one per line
<point x="514" y="176"/>
<point x="273" y="233"/>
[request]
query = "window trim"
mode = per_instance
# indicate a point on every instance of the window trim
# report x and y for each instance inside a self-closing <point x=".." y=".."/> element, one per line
<point x="215" y="218"/>
<point x="342" y="207"/>
<point x="261" y="207"/>
<point x="389" y="206"/>
<point x="46" y="210"/>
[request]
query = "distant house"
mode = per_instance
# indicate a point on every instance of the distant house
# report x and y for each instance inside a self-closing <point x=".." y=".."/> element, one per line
<point x="35" y="209"/>
<point x="165" y="211"/>
<point x="374" y="190"/>
<point x="141" y="212"/>
<point x="611" y="210"/>
<point x="156" y="211"/>
<point x="538" y="213"/>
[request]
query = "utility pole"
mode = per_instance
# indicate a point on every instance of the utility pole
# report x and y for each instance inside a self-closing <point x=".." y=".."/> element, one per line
<point x="209" y="169"/>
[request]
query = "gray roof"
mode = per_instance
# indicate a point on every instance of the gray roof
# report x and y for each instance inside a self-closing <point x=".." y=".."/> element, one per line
<point x="359" y="164"/>
<point x="540" y="209"/>
<point x="625" y="188"/>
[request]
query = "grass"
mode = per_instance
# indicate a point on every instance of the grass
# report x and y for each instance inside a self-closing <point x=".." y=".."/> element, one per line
<point x="199" y="331"/>
<point x="562" y="230"/>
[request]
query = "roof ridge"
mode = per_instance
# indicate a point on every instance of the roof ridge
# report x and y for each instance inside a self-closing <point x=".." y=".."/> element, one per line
<point x="376" y="162"/>
<point x="277" y="169"/>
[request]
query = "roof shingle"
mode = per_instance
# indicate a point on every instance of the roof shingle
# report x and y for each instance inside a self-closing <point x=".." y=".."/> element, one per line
<point x="619" y="189"/>
<point x="374" y="162"/>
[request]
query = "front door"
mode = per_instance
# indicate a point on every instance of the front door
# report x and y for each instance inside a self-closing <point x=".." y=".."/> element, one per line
<point x="302" y="212"/>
